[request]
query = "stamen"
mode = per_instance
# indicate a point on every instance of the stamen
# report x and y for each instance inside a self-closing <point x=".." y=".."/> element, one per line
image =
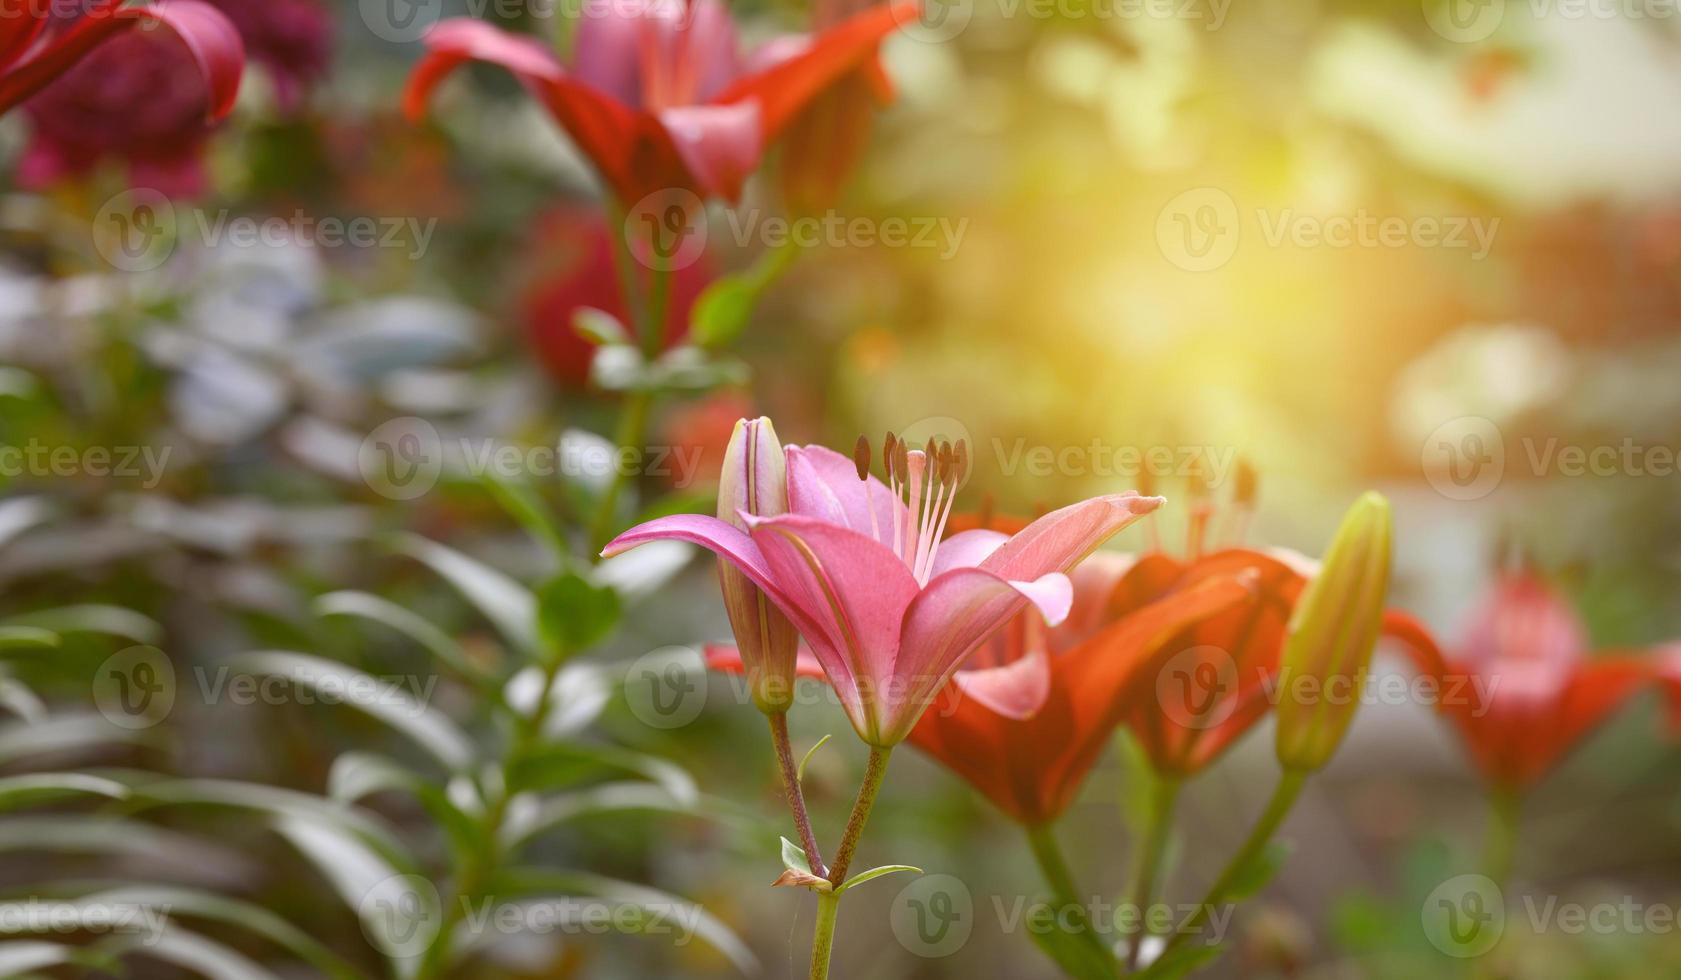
<point x="861" y="458"/>
<point x="1201" y="510"/>
<point x="954" y="464"/>
<point x="1243" y="504"/>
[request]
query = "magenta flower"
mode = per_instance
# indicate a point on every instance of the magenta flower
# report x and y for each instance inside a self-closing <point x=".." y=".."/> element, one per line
<point x="889" y="609"/>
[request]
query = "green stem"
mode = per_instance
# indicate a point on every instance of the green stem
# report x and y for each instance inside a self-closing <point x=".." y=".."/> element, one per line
<point x="823" y="939"/>
<point x="1505" y="809"/>
<point x="791" y="789"/>
<point x="1053" y="865"/>
<point x="1164" y="796"/>
<point x="873" y="776"/>
<point x="1283" y="798"/>
<point x="479" y="867"/>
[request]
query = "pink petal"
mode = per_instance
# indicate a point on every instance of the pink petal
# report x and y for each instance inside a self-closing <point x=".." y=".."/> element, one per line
<point x="606" y="54"/>
<point x="1059" y="540"/>
<point x="824" y="484"/>
<point x="1016" y="690"/>
<point x="853" y="593"/>
<point x="966" y="549"/>
<point x="720" y="145"/>
<point x="952" y="616"/>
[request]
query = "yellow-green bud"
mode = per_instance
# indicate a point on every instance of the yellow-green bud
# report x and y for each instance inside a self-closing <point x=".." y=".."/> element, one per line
<point x="1331" y="636"/>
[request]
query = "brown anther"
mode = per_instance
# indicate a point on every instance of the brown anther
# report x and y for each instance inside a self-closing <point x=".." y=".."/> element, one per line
<point x="960" y="455"/>
<point x="1247" y="479"/>
<point x="861" y="457"/>
<point x="889" y="446"/>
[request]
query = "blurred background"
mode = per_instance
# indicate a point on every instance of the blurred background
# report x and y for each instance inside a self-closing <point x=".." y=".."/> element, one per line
<point x="1424" y="249"/>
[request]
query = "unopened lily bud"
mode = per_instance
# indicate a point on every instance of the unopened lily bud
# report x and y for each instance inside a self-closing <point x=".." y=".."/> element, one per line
<point x="1331" y="637"/>
<point x="754" y="481"/>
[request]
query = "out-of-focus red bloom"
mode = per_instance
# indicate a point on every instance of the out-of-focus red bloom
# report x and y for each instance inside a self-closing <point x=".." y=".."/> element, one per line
<point x="1531" y="691"/>
<point x="40" y="42"/>
<point x="135" y="100"/>
<point x="699" y="433"/>
<point x="578" y="271"/>
<point x="827" y="139"/>
<point x="657" y="96"/>
<point x="1031" y="710"/>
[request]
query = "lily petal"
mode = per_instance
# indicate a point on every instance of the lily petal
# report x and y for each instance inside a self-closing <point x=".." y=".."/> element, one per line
<point x="853" y="593"/>
<point x="719" y="144"/>
<point x="1015" y="691"/>
<point x="824" y="484"/>
<point x="966" y="549"/>
<point x="1059" y="540"/>
<point x="209" y="36"/>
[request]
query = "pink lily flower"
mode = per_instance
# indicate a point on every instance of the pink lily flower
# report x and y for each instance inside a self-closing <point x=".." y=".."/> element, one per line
<point x="889" y="609"/>
<point x="658" y="95"/>
<point x="36" y="46"/>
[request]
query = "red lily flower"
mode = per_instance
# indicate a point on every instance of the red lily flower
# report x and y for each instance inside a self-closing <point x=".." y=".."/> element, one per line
<point x="655" y="96"/>
<point x="1532" y="691"/>
<point x="1028" y="716"/>
<point x="31" y="54"/>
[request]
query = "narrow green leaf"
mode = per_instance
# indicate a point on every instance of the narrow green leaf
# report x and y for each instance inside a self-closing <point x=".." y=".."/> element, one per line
<point x="93" y="618"/>
<point x="405" y="621"/>
<point x="799" y="773"/>
<point x="27" y="638"/>
<point x="46" y="787"/>
<point x="508" y="605"/>
<point x="874" y="873"/>
<point x="573" y="614"/>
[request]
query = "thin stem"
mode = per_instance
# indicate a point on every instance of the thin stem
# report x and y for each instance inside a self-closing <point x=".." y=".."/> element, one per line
<point x="1053" y="865"/>
<point x="1505" y="809"/>
<point x="791" y="789"/>
<point x="1164" y="796"/>
<point x="866" y="801"/>
<point x="479" y="867"/>
<point x="823" y="939"/>
<point x="1283" y="798"/>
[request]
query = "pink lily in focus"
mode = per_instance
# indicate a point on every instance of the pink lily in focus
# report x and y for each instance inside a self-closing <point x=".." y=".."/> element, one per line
<point x="859" y="566"/>
<point x="37" y="46"/>
<point x="658" y="96"/>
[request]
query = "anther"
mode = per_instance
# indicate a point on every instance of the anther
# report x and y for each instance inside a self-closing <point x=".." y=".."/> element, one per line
<point x="861" y="457"/>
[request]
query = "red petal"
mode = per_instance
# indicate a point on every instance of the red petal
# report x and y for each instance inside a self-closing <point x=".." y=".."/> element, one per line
<point x="208" y="34"/>
<point x="787" y="87"/>
<point x="629" y="147"/>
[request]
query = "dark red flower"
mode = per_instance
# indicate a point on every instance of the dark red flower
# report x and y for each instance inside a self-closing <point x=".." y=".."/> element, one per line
<point x="1532" y="691"/>
<point x="577" y="271"/>
<point x="656" y="96"/>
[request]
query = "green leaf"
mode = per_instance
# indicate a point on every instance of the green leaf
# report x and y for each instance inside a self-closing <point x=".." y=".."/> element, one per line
<point x="92" y="618"/>
<point x="16" y="697"/>
<point x="16" y="958"/>
<point x="599" y="326"/>
<point x="870" y="875"/>
<point x="524" y="504"/>
<point x="405" y="621"/>
<point x="388" y="702"/>
<point x="543" y="882"/>
<point x="563" y="765"/>
<point x="606" y="798"/>
<point x="63" y="733"/>
<point x="723" y="311"/>
<point x="47" y="787"/>
<point x="190" y="902"/>
<point x="357" y="775"/>
<point x="574" y="615"/>
<point x="1077" y="954"/>
<point x="1260" y="870"/>
<point x="27" y="638"/>
<point x="508" y="605"/>
<point x="793" y="857"/>
<point x="799" y="773"/>
<point x="196" y="953"/>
